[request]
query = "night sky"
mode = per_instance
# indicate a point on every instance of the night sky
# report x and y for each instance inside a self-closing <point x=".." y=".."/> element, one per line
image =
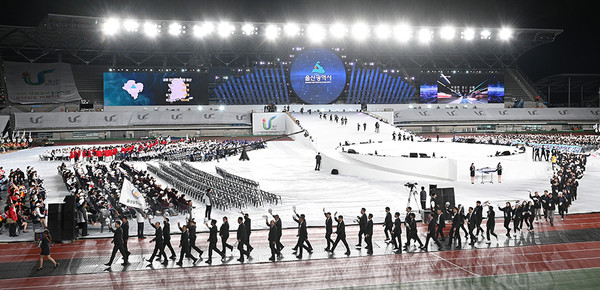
<point x="574" y="51"/>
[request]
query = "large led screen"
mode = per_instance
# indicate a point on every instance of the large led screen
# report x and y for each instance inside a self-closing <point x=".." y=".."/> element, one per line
<point x="462" y="88"/>
<point x="318" y="76"/>
<point x="148" y="89"/>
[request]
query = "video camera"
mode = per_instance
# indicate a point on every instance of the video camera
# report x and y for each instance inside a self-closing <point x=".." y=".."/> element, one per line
<point x="411" y="185"/>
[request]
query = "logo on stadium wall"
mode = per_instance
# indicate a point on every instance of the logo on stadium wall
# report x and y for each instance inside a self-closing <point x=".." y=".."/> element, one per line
<point x="209" y="116"/>
<point x="240" y="117"/>
<point x="451" y="113"/>
<point x="268" y="124"/>
<point x="318" y="69"/>
<point x="36" y="120"/>
<point x="532" y="112"/>
<point x="424" y="113"/>
<point x="75" y="119"/>
<point x="397" y="115"/>
<point x="41" y="77"/>
<point x="109" y="118"/>
<point x="595" y="112"/>
<point x="143" y="117"/>
<point x="563" y="112"/>
<point x="176" y="117"/>
<point x="478" y="113"/>
<point x="504" y="112"/>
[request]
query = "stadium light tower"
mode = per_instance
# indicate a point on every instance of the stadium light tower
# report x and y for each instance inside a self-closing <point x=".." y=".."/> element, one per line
<point x="291" y="29"/>
<point x="468" y="34"/>
<point x="338" y="30"/>
<point x="271" y="32"/>
<point x="110" y="26"/>
<point x="150" y="29"/>
<point x="175" y="29"/>
<point x="225" y="29"/>
<point x="402" y="32"/>
<point x="315" y="32"/>
<point x="248" y="29"/>
<point x="424" y="35"/>
<point x="204" y="29"/>
<point x="360" y="31"/>
<point x="447" y="33"/>
<point x="505" y="33"/>
<point x="131" y="25"/>
<point x="383" y="31"/>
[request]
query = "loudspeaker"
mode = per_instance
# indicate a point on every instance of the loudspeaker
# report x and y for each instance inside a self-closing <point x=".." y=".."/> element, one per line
<point x="445" y="195"/>
<point x="432" y="187"/>
<point x="352" y="151"/>
<point x="334" y="171"/>
<point x="55" y="220"/>
<point x="69" y="229"/>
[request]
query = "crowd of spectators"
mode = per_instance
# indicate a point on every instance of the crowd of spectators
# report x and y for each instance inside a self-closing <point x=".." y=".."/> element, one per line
<point x="10" y="144"/>
<point x="25" y="204"/>
<point x="586" y="142"/>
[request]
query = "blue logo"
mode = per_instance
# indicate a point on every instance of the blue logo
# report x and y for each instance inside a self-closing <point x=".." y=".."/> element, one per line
<point x="318" y="76"/>
<point x="318" y="68"/>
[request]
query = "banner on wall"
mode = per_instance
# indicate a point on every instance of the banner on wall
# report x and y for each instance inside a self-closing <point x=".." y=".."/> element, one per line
<point x="268" y="123"/>
<point x="30" y="83"/>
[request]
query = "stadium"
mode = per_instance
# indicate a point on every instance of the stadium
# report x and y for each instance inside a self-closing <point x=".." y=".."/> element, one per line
<point x="355" y="143"/>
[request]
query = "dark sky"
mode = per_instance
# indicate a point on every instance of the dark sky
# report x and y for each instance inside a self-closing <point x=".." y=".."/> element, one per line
<point x="574" y="51"/>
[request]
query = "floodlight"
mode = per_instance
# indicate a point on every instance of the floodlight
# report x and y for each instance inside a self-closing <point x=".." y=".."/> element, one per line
<point x="505" y="33"/>
<point x="221" y="108"/>
<point x="175" y="28"/>
<point x="424" y="35"/>
<point x="402" y="32"/>
<point x="447" y="33"/>
<point x="150" y="29"/>
<point x="271" y="32"/>
<point x="383" y="31"/>
<point x="468" y="34"/>
<point x="485" y="34"/>
<point x="131" y="25"/>
<point x="225" y="29"/>
<point x="338" y="30"/>
<point x="291" y="29"/>
<point x="110" y="26"/>
<point x="248" y="29"/>
<point x="360" y="31"/>
<point x="204" y="29"/>
<point x="315" y="32"/>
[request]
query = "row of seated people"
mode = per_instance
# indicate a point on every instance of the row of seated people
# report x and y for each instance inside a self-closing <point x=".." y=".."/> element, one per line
<point x="99" y="185"/>
<point x="25" y="203"/>
<point x="168" y="150"/>
<point x="7" y="144"/>
<point x="587" y="142"/>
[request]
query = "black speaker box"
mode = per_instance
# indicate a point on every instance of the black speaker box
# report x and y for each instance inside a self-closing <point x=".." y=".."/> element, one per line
<point x="55" y="220"/>
<point x="334" y="171"/>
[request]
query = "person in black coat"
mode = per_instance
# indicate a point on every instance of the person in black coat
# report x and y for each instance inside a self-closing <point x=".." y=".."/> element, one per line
<point x="362" y="222"/>
<point x="184" y="244"/>
<point x="248" y="225"/>
<point x="272" y="239"/>
<point x="192" y="233"/>
<point x="462" y="216"/>
<point x="431" y="233"/>
<point x="369" y="235"/>
<point x="490" y="224"/>
<point x="472" y="173"/>
<point x="167" y="237"/>
<point x="412" y="228"/>
<point x="397" y="233"/>
<point x="341" y="234"/>
<point x="471" y="225"/>
<point x="117" y="242"/>
<point x="328" y="229"/>
<point x="306" y="241"/>
<point x="456" y="221"/>
<point x="318" y="162"/>
<point x="241" y="237"/>
<point x="212" y="241"/>
<point x="478" y="214"/>
<point x="302" y="237"/>
<point x="159" y="247"/>
<point x="440" y="224"/>
<point x="388" y="224"/>
<point x="45" y="247"/>
<point x="279" y="226"/>
<point x="125" y="228"/>
<point x="224" y="233"/>
<point x="507" y="217"/>
<point x="407" y="225"/>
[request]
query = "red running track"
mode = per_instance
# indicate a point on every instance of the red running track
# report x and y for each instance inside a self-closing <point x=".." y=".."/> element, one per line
<point x="363" y="271"/>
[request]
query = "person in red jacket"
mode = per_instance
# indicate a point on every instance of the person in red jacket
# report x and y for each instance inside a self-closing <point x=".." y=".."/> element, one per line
<point x="12" y="214"/>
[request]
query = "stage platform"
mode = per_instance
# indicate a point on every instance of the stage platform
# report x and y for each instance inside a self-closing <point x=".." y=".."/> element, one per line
<point x="567" y="255"/>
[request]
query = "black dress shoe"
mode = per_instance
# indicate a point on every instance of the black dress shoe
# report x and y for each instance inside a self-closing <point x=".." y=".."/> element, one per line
<point x="347" y="253"/>
<point x="108" y="264"/>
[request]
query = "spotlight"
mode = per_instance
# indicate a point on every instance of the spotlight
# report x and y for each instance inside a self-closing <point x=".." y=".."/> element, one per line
<point x="383" y="31"/>
<point x="225" y="29"/>
<point x="338" y="30"/>
<point x="199" y="108"/>
<point x="221" y="108"/>
<point x="291" y="29"/>
<point x="202" y="30"/>
<point x="248" y="29"/>
<point x="360" y="31"/>
<point x="271" y="32"/>
<point x="468" y="34"/>
<point x="505" y="33"/>
<point x="175" y="29"/>
<point x="447" y="33"/>
<point x="131" y="25"/>
<point x="402" y="32"/>
<point x="424" y="35"/>
<point x="150" y="29"/>
<point x="315" y="32"/>
<point x="485" y="34"/>
<point x="110" y="26"/>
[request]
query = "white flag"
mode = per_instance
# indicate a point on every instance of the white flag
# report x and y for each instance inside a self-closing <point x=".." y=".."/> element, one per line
<point x="130" y="196"/>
